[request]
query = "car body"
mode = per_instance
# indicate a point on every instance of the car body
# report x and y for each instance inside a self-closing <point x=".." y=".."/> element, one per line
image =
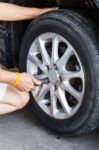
<point x="75" y="26"/>
<point x="12" y="32"/>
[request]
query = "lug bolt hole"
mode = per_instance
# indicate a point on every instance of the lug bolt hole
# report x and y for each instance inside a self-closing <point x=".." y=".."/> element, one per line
<point x="60" y="79"/>
<point x="48" y="68"/>
<point x="55" y="87"/>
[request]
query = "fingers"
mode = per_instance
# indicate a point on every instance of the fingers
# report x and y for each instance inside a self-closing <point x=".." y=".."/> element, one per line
<point x="27" y="88"/>
<point x="52" y="8"/>
<point x="36" y="81"/>
<point x="44" y="10"/>
<point x="28" y="82"/>
<point x="20" y="88"/>
<point x="55" y="8"/>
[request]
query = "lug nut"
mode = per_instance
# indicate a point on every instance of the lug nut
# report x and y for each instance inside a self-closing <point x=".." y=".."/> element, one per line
<point x="55" y="66"/>
<point x="60" y="79"/>
<point x="48" y="67"/>
<point x="45" y="81"/>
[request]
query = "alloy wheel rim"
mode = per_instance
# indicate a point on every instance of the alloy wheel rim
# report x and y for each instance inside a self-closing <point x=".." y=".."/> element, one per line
<point x="52" y="57"/>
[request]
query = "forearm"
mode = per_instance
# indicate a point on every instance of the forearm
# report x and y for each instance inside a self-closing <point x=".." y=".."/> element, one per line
<point x="7" y="76"/>
<point x="10" y="12"/>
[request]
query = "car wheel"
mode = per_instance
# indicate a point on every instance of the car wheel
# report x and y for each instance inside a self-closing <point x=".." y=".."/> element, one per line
<point x="62" y="48"/>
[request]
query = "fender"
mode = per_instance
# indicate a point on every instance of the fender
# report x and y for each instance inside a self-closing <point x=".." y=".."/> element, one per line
<point x="70" y="3"/>
<point x="66" y="3"/>
<point x="78" y="3"/>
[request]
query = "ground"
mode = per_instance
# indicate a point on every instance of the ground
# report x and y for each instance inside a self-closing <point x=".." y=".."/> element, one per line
<point x="22" y="131"/>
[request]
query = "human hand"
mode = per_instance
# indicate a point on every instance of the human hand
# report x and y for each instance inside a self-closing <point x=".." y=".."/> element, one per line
<point x="27" y="82"/>
<point x="44" y="10"/>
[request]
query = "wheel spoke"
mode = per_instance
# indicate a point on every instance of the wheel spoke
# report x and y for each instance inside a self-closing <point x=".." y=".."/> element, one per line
<point x="43" y="51"/>
<point x="60" y="93"/>
<point x="52" y="57"/>
<point x="71" y="90"/>
<point x="72" y="74"/>
<point x="53" y="101"/>
<point x="63" y="60"/>
<point x="41" y="76"/>
<point x="55" y="43"/>
<point x="37" y="62"/>
<point x="43" y="105"/>
<point x="44" y="90"/>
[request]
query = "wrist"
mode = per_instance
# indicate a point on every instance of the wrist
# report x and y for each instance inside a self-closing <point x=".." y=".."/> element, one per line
<point x="7" y="76"/>
<point x="17" y="81"/>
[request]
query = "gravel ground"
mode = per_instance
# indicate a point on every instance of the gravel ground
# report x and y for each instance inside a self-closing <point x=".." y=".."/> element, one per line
<point x="22" y="131"/>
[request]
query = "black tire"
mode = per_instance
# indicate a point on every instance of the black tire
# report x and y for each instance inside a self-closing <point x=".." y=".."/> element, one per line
<point x="79" y="32"/>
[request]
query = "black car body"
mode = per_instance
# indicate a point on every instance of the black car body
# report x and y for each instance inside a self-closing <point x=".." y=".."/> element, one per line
<point x="75" y="25"/>
<point x="11" y="33"/>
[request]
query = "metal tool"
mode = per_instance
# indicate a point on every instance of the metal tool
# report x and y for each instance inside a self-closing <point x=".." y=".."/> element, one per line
<point x="44" y="81"/>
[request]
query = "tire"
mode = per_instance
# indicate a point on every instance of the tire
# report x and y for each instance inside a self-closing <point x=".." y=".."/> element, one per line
<point x="81" y="35"/>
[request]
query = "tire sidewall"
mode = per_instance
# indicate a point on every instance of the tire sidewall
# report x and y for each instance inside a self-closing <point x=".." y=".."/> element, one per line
<point x="82" y="47"/>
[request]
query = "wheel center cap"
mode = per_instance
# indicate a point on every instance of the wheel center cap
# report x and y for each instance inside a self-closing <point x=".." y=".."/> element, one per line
<point x="53" y="76"/>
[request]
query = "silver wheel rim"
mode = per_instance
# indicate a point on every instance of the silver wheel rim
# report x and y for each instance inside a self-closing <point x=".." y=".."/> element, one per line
<point x="52" y="57"/>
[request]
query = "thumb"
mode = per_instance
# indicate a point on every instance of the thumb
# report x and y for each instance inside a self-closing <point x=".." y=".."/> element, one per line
<point x="36" y="81"/>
